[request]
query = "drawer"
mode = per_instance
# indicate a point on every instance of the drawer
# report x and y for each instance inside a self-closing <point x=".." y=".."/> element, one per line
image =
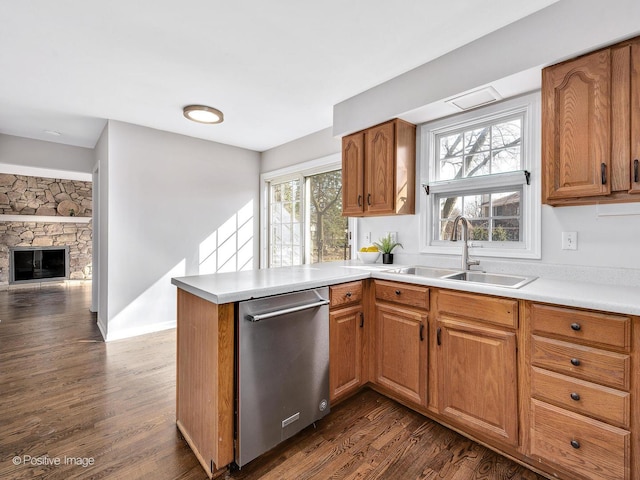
<point x="345" y="294"/>
<point x="599" y="451"/>
<point x="603" y="403"/>
<point x="402" y="293"/>
<point x="499" y="311"/>
<point x="587" y="363"/>
<point x="597" y="329"/>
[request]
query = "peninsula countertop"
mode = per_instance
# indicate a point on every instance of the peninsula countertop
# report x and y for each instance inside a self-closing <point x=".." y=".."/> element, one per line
<point x="238" y="286"/>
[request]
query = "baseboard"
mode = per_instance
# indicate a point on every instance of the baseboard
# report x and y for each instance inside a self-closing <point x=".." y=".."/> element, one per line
<point x="102" y="327"/>
<point x="136" y="331"/>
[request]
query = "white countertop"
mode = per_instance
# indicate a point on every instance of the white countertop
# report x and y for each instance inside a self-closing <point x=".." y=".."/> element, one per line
<point x="238" y="286"/>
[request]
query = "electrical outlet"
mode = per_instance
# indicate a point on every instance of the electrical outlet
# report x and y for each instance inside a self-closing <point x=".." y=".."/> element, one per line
<point x="367" y="237"/>
<point x="393" y="236"/>
<point x="569" y="240"/>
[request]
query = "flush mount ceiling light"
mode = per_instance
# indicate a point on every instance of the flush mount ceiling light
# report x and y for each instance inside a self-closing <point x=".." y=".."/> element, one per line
<point x="475" y="99"/>
<point x="203" y="114"/>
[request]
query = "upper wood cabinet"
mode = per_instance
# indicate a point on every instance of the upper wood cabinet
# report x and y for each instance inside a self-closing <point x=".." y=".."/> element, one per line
<point x="591" y="127"/>
<point x="378" y="170"/>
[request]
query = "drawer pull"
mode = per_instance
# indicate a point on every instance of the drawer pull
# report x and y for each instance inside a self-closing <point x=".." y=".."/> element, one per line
<point x="576" y="327"/>
<point x="575" y="396"/>
<point x="361" y="320"/>
<point x="421" y="332"/>
<point x="398" y="292"/>
<point x="575" y="444"/>
<point x="575" y="362"/>
<point x="348" y="294"/>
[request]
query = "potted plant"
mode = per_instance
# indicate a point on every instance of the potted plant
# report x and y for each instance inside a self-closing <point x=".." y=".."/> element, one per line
<point x="385" y="245"/>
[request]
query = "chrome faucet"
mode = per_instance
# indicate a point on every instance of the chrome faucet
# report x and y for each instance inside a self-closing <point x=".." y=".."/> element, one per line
<point x="466" y="263"/>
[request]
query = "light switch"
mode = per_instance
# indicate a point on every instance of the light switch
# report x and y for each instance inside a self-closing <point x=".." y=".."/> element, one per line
<point x="569" y="240"/>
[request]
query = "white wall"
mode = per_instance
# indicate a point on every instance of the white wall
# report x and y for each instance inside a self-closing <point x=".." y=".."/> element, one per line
<point x="563" y="30"/>
<point x="101" y="231"/>
<point x="35" y="157"/>
<point x="316" y="145"/>
<point x="172" y="201"/>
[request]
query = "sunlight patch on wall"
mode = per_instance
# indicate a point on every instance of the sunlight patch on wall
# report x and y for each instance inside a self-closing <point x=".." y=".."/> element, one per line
<point x="230" y="247"/>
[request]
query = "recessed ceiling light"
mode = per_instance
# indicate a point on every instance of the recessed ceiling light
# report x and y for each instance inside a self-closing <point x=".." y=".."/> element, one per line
<point x="52" y="132"/>
<point x="203" y="114"/>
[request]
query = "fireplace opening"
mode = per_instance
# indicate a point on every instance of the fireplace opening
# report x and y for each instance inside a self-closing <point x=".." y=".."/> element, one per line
<point x="38" y="264"/>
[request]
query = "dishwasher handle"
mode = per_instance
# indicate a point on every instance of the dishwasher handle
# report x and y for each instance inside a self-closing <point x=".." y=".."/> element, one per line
<point x="263" y="316"/>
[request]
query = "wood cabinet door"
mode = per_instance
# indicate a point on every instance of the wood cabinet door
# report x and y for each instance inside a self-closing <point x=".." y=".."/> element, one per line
<point x="576" y="128"/>
<point x="401" y="351"/>
<point x="380" y="169"/>
<point x="477" y="379"/>
<point x="635" y="117"/>
<point x="353" y="175"/>
<point x="345" y="350"/>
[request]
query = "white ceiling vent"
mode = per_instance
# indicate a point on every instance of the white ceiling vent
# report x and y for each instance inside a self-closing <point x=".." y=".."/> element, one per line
<point x="475" y="99"/>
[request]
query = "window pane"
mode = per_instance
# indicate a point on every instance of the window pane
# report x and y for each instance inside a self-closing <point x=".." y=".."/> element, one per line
<point x="477" y="164"/>
<point x="328" y="228"/>
<point x="506" y="134"/>
<point x="492" y="216"/>
<point x="285" y="237"/>
<point x="506" y="160"/>
<point x="477" y="140"/>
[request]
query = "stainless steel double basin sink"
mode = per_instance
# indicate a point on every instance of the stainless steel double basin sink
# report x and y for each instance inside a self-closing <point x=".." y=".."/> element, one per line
<point x="491" y="279"/>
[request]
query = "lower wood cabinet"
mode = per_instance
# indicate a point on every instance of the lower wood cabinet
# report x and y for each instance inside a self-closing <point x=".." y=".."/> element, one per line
<point x="583" y="397"/>
<point x="476" y="368"/>
<point x="346" y="339"/>
<point x="401" y="339"/>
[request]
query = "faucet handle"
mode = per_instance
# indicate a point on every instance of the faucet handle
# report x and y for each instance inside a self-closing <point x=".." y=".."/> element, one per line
<point x="473" y="262"/>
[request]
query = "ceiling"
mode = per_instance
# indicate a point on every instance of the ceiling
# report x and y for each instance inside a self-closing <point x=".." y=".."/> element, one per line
<point x="275" y="68"/>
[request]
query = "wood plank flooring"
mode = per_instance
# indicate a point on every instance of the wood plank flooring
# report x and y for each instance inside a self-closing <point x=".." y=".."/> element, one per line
<point x="67" y="397"/>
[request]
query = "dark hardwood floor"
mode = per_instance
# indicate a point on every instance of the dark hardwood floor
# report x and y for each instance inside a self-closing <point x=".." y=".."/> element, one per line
<point x="67" y="397"/>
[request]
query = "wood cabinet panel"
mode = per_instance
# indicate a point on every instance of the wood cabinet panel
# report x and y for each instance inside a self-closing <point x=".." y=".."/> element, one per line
<point x="401" y="360"/>
<point x="594" y="328"/>
<point x="635" y="117"/>
<point x="353" y="174"/>
<point x="592" y="364"/>
<point x="345" y="350"/>
<point x="576" y="127"/>
<point x="477" y="379"/>
<point x="379" y="180"/>
<point x="499" y="311"/>
<point x="345" y="294"/>
<point x="602" y="403"/>
<point x="402" y="293"/>
<point x="588" y="448"/>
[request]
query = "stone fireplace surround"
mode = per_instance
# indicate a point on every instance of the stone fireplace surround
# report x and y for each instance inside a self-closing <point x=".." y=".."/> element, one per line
<point x="30" y="217"/>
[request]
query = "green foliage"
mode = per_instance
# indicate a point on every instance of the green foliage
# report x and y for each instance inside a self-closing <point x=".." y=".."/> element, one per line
<point x="385" y="245"/>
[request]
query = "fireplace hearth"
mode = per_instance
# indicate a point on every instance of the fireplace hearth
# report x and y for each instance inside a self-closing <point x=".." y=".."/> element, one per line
<point x="38" y="264"/>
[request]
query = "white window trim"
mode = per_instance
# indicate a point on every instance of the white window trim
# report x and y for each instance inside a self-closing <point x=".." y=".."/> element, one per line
<point x="300" y="170"/>
<point x="530" y="247"/>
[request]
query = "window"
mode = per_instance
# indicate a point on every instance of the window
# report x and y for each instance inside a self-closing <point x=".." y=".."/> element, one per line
<point x="302" y="221"/>
<point x="484" y="164"/>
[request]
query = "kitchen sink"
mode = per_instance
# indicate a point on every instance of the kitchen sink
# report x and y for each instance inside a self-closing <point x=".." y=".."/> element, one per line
<point x="495" y="279"/>
<point x="429" y="272"/>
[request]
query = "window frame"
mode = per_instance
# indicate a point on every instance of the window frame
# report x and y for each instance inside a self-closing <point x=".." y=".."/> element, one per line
<point x="530" y="245"/>
<point x="301" y="171"/>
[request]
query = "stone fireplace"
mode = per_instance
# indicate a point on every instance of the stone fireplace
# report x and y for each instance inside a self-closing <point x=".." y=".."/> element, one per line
<point x="46" y="214"/>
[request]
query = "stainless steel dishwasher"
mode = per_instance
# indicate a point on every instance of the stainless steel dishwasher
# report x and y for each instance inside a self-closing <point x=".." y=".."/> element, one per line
<point x="283" y="368"/>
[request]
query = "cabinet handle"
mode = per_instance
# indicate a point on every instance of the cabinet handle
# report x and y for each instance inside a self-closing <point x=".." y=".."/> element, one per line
<point x="369" y="199"/>
<point x="576" y="327"/>
<point x="348" y="294"/>
<point x="635" y="171"/>
<point x="361" y="320"/>
<point x="575" y="362"/>
<point x="359" y="200"/>
<point x="575" y="443"/>
<point x="439" y="336"/>
<point x="421" y="332"/>
<point x="603" y="173"/>
<point x="575" y="396"/>
<point x="398" y="292"/>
